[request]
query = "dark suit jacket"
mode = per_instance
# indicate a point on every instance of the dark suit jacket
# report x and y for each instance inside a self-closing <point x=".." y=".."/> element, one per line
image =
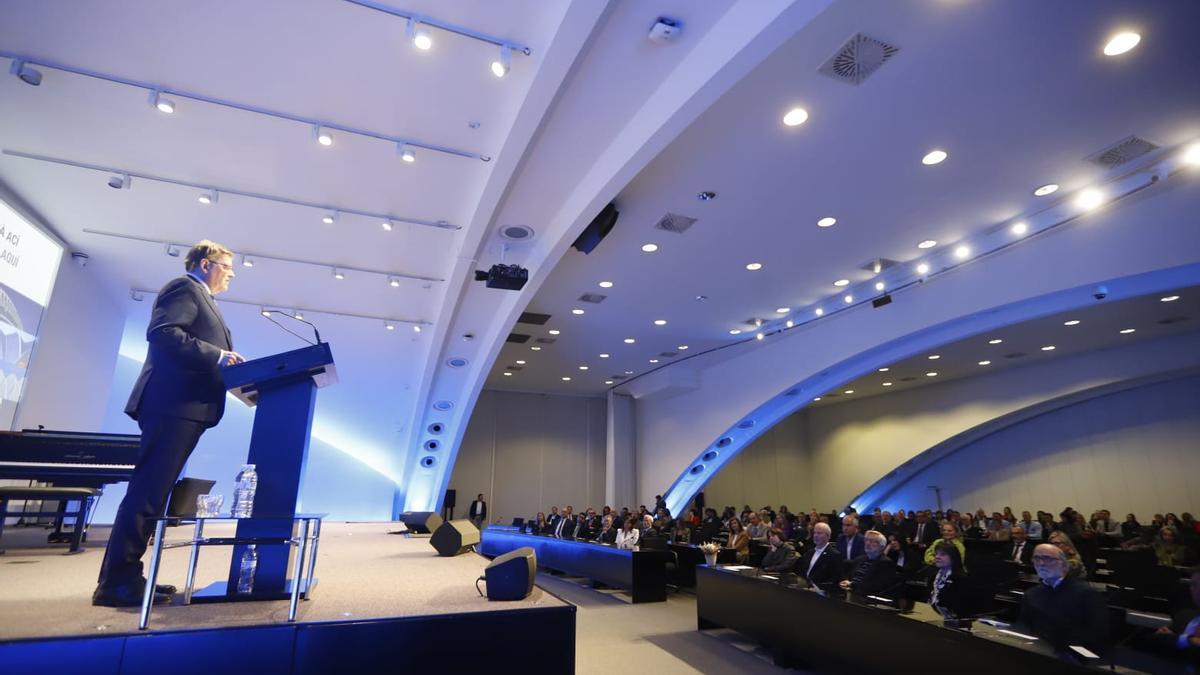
<point x="609" y="537"/>
<point x="929" y="535"/>
<point x="954" y="598"/>
<point x="1071" y="614"/>
<point x="1026" y="552"/>
<point x="180" y="377"/>
<point x="829" y="570"/>
<point x="872" y="577"/>
<point x="482" y="511"/>
<point x="568" y="528"/>
<point x="853" y="549"/>
<point x="584" y="528"/>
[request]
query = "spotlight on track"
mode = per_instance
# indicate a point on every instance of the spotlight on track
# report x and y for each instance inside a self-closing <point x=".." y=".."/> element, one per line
<point x="161" y="102"/>
<point x="28" y="74"/>
<point x="503" y="64"/>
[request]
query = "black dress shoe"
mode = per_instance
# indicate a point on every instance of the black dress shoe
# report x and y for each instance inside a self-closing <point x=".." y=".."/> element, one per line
<point x="124" y="596"/>
<point x="166" y="589"/>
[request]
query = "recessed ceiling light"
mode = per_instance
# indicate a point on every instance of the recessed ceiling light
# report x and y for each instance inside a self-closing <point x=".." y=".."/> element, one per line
<point x="566" y="379"/>
<point x="608" y="382"/>
<point x="795" y="117"/>
<point x="782" y="310"/>
<point x="577" y="311"/>
<point x="962" y="252"/>
<point x="995" y="341"/>
<point x="841" y="282"/>
<point x="934" y="157"/>
<point x="827" y="221"/>
<point x="819" y="312"/>
<point x="653" y="360"/>
<point x="630" y="341"/>
<point x="606" y="284"/>
<point x="816" y="398"/>
<point x="790" y="323"/>
<point x="701" y="298"/>
<point x="1048" y="348"/>
<point x="1192" y="155"/>
<point x="985" y="363"/>
<point x="649" y="248"/>
<point x="884" y="369"/>
<point x="1072" y="322"/>
<point x="660" y="322"/>
<point x="604" y="356"/>
<point x="629" y="372"/>
<point x="682" y="348"/>
<point x="554" y="331"/>
<point x="848" y="391"/>
<point x="879" y="286"/>
<point x="934" y="374"/>
<point x="1089" y="199"/>
<point x="754" y="267"/>
<point x="735" y="331"/>
<point x="1121" y="43"/>
<point x="1169" y="298"/>
<point x="848" y="298"/>
<point x="536" y="348"/>
<point x="1019" y="228"/>
<point x="416" y="329"/>
<point x="1126" y="331"/>
<point x="508" y="374"/>
<point x="928" y="243"/>
<point x="760" y="336"/>
<point x="390" y="326"/>
<point x="583" y="367"/>
<point x="887" y="384"/>
<point x="923" y="268"/>
<point x="934" y="357"/>
<point x="520" y="362"/>
<point x="1047" y="189"/>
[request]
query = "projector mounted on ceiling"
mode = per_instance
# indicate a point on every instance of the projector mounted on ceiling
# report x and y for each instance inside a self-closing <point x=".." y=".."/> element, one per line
<point x="505" y="277"/>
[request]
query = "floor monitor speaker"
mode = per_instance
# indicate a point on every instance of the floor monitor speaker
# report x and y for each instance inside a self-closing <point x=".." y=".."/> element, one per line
<point x="510" y="576"/>
<point x="421" y="522"/>
<point x="454" y="537"/>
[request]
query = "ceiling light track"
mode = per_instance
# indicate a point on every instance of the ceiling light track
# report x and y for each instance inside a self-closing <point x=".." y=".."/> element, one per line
<point x="158" y="92"/>
<point x="291" y="309"/>
<point x="443" y="25"/>
<point x="257" y="257"/>
<point x="375" y="217"/>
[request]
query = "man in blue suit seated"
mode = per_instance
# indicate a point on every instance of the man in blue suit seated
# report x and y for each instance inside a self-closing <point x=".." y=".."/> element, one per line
<point x="850" y="543"/>
<point x="179" y="394"/>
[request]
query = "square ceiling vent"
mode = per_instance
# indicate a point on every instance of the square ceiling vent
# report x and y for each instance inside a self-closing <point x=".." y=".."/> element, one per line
<point x="673" y="222"/>
<point x="1125" y="150"/>
<point x="857" y="59"/>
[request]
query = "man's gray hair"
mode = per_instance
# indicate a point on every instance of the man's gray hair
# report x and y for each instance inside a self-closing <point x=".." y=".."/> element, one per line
<point x="823" y="526"/>
<point x="850" y="519"/>
<point x="876" y="534"/>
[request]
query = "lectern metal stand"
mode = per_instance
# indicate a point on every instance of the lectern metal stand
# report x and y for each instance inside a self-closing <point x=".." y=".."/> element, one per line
<point x="284" y="389"/>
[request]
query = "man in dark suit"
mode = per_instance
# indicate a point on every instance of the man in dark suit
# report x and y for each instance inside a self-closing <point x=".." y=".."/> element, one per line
<point x="872" y="573"/>
<point x="478" y="511"/>
<point x="178" y="395"/>
<point x="850" y="543"/>
<point x="565" y="527"/>
<point x="608" y="532"/>
<point x="710" y="527"/>
<point x="1020" y="549"/>
<point x="821" y="565"/>
<point x="921" y="536"/>
<point x="1063" y="610"/>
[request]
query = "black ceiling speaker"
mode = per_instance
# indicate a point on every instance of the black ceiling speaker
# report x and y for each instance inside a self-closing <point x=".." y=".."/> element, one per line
<point x="597" y="230"/>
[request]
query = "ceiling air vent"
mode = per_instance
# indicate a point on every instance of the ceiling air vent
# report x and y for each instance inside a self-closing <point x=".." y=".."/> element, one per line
<point x="668" y="355"/>
<point x="545" y="341"/>
<point x="1015" y="355"/>
<point x="517" y="338"/>
<point x="910" y="378"/>
<point x="857" y="59"/>
<point x="673" y="222"/>
<point x="515" y="368"/>
<point x="1172" y="319"/>
<point x="534" y="318"/>
<point x="594" y="298"/>
<point x="1124" y="150"/>
<point x="516" y="232"/>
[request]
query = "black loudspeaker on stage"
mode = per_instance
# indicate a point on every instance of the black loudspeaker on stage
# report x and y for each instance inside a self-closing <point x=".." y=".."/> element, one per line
<point x="421" y="522"/>
<point x="510" y="576"/>
<point x="451" y="497"/>
<point x="454" y="537"/>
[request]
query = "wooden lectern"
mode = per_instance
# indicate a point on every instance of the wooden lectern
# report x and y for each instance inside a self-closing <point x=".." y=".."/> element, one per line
<point x="284" y="389"/>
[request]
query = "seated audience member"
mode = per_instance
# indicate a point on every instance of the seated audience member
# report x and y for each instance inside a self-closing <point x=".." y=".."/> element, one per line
<point x="1168" y="550"/>
<point x="1063" y="610"/>
<point x="645" y="525"/>
<point x="872" y="573"/>
<point x="821" y="565"/>
<point x="1008" y="515"/>
<point x="948" y="583"/>
<point x="850" y="543"/>
<point x="1048" y="524"/>
<point x="787" y="515"/>
<point x="607" y="533"/>
<point x="739" y="540"/>
<point x="540" y="525"/>
<point x="1033" y="529"/>
<point x="781" y="556"/>
<point x="745" y="516"/>
<point x="1075" y="566"/>
<point x="757" y="529"/>
<point x="949" y="536"/>
<point x="682" y="532"/>
<point x="886" y="525"/>
<point x="783" y="525"/>
<point x="1022" y="549"/>
<point x="627" y="536"/>
<point x="585" y="527"/>
<point x="1131" y="528"/>
<point x="565" y="528"/>
<point x="1104" y="525"/>
<point x="710" y="526"/>
<point x="968" y="528"/>
<point x="894" y="550"/>
<point x="998" y="529"/>
<point x="919" y="536"/>
<point x="1182" y="638"/>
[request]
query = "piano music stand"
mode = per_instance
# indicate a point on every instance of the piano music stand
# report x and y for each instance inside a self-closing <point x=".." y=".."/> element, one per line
<point x="284" y="389"/>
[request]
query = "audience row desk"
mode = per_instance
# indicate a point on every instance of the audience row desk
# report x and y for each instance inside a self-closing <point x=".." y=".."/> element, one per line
<point x="642" y="573"/>
<point x="807" y="629"/>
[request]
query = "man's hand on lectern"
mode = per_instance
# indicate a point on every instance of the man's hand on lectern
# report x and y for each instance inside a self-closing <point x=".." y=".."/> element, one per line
<point x="230" y="358"/>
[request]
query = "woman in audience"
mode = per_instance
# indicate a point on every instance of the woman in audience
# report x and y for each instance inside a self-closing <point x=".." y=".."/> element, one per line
<point x="682" y="532"/>
<point x="782" y="556"/>
<point x="783" y="524"/>
<point x="739" y="540"/>
<point x="1075" y="566"/>
<point x="948" y="584"/>
<point x="540" y="524"/>
<point x="1168" y="550"/>
<point x="949" y="536"/>
<point x="1131" y="528"/>
<point x="627" y="537"/>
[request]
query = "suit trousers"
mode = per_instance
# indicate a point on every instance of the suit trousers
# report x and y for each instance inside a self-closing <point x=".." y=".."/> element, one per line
<point x="166" y="444"/>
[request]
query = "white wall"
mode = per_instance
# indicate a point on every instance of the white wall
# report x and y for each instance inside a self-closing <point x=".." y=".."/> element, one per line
<point x="824" y="457"/>
<point x="526" y="452"/>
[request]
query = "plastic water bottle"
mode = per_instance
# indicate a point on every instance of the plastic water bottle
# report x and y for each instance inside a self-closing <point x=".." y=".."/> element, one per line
<point x="243" y="494"/>
<point x="246" y="573"/>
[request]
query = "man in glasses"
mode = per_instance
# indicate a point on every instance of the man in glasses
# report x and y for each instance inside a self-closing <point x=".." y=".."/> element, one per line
<point x="178" y="395"/>
<point x="1063" y="610"/>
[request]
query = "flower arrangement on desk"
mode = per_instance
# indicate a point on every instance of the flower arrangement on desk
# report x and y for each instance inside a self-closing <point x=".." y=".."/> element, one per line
<point x="710" y="549"/>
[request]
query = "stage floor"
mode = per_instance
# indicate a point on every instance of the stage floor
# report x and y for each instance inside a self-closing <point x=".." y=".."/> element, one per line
<point x="363" y="571"/>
